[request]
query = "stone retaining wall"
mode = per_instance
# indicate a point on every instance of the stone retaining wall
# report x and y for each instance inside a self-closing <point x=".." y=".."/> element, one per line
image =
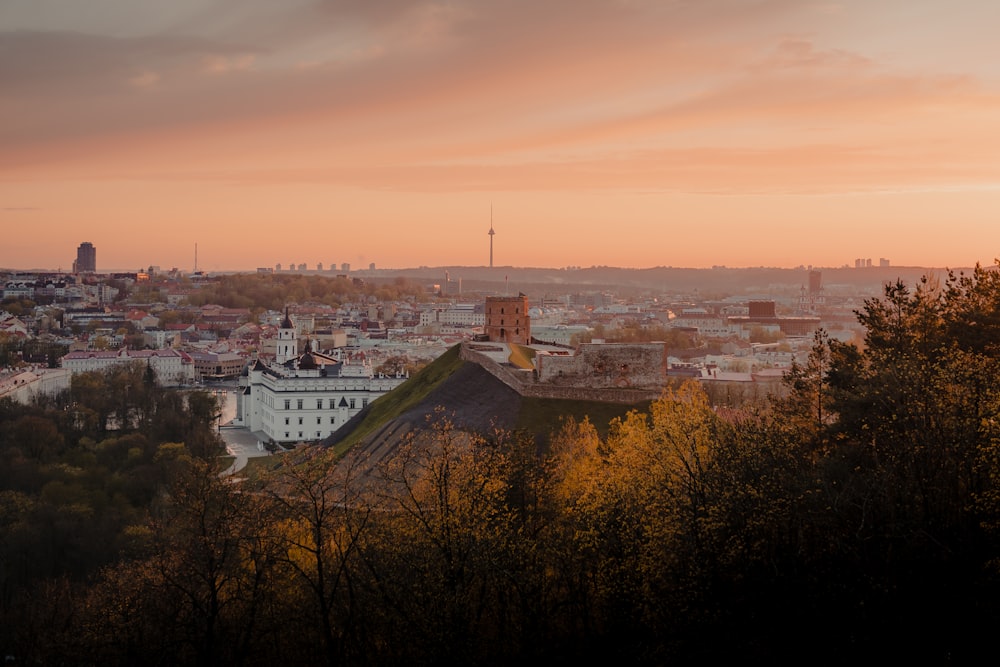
<point x="524" y="383"/>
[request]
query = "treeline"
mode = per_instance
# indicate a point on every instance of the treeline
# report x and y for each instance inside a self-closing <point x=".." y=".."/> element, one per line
<point x="853" y="517"/>
<point x="14" y="350"/>
<point x="275" y="291"/>
<point x="78" y="474"/>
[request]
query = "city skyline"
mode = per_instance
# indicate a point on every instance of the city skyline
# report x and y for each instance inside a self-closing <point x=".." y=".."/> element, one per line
<point x="631" y="134"/>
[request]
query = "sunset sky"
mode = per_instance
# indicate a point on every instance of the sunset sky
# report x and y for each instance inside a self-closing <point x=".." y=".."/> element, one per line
<point x="630" y="133"/>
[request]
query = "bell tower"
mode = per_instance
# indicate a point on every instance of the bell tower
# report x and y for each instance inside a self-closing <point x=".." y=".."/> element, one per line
<point x="288" y="345"/>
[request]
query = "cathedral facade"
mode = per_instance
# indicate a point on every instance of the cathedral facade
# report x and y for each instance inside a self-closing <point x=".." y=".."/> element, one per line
<point x="302" y="397"/>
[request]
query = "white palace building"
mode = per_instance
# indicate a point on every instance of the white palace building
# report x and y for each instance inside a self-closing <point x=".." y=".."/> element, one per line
<point x="308" y="396"/>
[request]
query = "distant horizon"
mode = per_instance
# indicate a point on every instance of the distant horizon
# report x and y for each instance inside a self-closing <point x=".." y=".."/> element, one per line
<point x="499" y="269"/>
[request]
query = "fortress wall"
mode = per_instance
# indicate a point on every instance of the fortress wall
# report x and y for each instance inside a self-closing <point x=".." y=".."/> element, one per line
<point x="523" y="383"/>
<point x="606" y="365"/>
<point x="504" y="374"/>
<point x="600" y="395"/>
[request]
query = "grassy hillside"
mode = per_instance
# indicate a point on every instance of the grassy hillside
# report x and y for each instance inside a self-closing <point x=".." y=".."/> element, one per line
<point x="400" y="400"/>
<point x="522" y="356"/>
<point x="473" y="399"/>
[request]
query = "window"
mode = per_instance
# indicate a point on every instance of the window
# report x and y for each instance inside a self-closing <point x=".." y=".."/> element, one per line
<point x="333" y="420"/>
<point x="286" y="435"/>
<point x="364" y="402"/>
<point x="333" y="403"/>
<point x="319" y="420"/>
<point x="300" y="403"/>
<point x="300" y="434"/>
<point x="319" y="403"/>
<point x="352" y="403"/>
<point x="286" y="421"/>
<point x="300" y="420"/>
<point x="288" y="404"/>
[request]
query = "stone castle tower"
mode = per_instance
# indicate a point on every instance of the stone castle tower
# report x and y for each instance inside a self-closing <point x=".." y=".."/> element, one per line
<point x="507" y="319"/>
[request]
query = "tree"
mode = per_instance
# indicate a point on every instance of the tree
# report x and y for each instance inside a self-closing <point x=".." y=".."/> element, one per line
<point x="918" y="410"/>
<point x="212" y="563"/>
<point x="452" y="536"/>
<point x="806" y="402"/>
<point x="324" y="516"/>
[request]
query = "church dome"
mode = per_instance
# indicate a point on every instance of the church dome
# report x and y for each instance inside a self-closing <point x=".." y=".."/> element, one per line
<point x="307" y="362"/>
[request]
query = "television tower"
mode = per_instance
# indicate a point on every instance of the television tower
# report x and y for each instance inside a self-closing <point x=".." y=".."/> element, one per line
<point x="491" y="233"/>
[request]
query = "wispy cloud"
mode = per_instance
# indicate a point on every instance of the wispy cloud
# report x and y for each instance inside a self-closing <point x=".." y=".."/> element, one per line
<point x="145" y="79"/>
<point x="752" y="97"/>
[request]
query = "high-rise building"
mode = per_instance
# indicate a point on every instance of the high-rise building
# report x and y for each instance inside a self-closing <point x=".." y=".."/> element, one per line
<point x="811" y="300"/>
<point x="86" y="258"/>
<point x="815" y="282"/>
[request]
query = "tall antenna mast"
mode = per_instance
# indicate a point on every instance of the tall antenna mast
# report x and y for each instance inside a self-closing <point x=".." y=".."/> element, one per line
<point x="491" y="232"/>
<point x="195" y="258"/>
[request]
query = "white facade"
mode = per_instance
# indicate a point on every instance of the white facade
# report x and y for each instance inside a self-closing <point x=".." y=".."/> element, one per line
<point x="459" y="314"/>
<point x="287" y="345"/>
<point x="25" y="385"/>
<point x="295" y="401"/>
<point x="706" y="323"/>
<point x="158" y="338"/>
<point x="172" y="367"/>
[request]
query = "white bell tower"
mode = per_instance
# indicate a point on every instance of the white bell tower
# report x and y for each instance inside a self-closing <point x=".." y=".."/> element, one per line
<point x="288" y="344"/>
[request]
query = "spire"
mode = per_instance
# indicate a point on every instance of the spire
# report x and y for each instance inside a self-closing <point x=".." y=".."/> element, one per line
<point x="287" y="345"/>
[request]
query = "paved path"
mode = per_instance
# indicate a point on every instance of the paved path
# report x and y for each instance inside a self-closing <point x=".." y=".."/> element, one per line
<point x="242" y="444"/>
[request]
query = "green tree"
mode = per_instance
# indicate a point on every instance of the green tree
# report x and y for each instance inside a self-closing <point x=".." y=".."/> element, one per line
<point x="918" y="411"/>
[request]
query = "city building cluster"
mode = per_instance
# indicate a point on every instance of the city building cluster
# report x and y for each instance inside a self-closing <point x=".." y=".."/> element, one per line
<point x="306" y="369"/>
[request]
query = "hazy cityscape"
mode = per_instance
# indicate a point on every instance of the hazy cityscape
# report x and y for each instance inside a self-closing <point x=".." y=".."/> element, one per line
<point x="494" y="333"/>
<point x="739" y="316"/>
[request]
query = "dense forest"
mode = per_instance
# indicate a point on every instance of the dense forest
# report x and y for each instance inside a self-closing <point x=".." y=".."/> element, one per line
<point x="855" y="516"/>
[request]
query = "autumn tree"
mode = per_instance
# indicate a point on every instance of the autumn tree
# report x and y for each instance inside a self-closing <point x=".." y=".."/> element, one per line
<point x="461" y="512"/>
<point x="211" y="564"/>
<point x="322" y="517"/>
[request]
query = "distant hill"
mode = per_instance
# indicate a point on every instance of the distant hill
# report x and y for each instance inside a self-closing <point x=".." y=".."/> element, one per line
<point x="657" y="280"/>
<point x="473" y="399"/>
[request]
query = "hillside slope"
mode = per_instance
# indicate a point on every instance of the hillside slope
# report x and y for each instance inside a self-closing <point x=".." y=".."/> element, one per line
<point x="471" y="398"/>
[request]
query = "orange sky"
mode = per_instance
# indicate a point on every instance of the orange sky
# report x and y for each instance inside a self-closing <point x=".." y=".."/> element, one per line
<point x="628" y="133"/>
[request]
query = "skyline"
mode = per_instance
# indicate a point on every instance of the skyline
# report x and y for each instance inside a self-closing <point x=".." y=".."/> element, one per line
<point x="621" y="133"/>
